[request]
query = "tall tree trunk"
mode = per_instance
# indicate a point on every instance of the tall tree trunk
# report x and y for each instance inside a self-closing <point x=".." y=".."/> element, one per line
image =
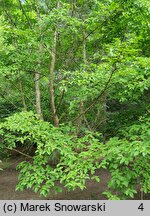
<point x="81" y="106"/>
<point x="51" y="82"/>
<point x="37" y="77"/>
<point x="38" y="94"/>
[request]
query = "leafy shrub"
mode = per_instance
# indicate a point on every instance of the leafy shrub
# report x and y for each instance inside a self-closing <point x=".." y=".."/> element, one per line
<point x="75" y="157"/>
<point x="128" y="160"/>
<point x="62" y="156"/>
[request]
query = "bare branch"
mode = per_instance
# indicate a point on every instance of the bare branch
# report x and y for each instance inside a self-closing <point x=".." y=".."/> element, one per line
<point x="15" y="150"/>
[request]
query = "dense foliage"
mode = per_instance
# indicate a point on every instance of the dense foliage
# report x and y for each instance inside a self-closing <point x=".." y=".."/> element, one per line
<point x="74" y="93"/>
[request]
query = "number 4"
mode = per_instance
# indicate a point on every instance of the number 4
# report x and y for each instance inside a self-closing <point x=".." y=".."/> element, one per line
<point x="141" y="207"/>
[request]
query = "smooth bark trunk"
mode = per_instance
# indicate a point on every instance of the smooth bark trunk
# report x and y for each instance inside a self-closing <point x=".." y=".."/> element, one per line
<point x="81" y="106"/>
<point x="51" y="82"/>
<point x="37" y="77"/>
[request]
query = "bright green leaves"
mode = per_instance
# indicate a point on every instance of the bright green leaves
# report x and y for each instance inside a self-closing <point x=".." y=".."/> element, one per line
<point x="128" y="160"/>
<point x="62" y="156"/>
<point x="59" y="155"/>
<point x="85" y="84"/>
<point x="110" y="196"/>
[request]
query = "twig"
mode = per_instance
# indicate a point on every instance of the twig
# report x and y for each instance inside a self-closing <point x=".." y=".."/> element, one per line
<point x="15" y="150"/>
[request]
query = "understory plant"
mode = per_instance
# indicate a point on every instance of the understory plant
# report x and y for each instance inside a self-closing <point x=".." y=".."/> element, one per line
<point x="128" y="160"/>
<point x="60" y="155"/>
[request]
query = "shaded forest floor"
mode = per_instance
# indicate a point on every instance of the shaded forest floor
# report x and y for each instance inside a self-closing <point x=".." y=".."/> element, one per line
<point x="9" y="179"/>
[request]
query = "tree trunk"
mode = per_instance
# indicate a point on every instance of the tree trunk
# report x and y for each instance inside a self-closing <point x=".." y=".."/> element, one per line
<point x="38" y="95"/>
<point x="81" y="106"/>
<point x="51" y="82"/>
<point x="37" y="78"/>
